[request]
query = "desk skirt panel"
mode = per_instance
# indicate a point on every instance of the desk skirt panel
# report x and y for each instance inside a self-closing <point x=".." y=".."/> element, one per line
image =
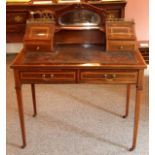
<point x="79" y="76"/>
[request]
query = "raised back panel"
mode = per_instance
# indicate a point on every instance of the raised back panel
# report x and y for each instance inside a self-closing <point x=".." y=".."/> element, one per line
<point x="80" y="24"/>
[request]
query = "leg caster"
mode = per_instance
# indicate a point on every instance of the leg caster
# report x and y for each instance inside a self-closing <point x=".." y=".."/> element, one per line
<point x="132" y="148"/>
<point x="23" y="146"/>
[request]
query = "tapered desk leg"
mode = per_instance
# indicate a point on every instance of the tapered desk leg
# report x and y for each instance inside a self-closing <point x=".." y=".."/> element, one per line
<point x="127" y="101"/>
<point x="136" y="119"/>
<point x="34" y="100"/>
<point x="21" y="114"/>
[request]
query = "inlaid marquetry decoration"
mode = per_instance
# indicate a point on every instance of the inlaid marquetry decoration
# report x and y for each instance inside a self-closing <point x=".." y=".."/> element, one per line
<point x="18" y="19"/>
<point x="120" y="35"/>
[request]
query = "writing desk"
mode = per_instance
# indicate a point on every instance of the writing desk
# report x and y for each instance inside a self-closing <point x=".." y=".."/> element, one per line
<point x="79" y="64"/>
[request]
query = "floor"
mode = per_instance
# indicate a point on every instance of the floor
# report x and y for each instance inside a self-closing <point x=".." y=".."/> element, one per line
<point x="76" y="119"/>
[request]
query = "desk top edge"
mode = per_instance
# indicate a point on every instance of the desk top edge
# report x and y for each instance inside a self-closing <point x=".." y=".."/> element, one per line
<point x="18" y="62"/>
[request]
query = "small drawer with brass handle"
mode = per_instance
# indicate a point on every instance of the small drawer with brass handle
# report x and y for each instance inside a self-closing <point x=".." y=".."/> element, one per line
<point x="109" y="77"/>
<point x="58" y="76"/>
<point x="121" y="45"/>
<point x="102" y="76"/>
<point x="38" y="47"/>
<point x="48" y="76"/>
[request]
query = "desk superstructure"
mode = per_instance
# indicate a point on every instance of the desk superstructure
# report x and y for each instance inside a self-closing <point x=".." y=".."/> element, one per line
<point x="80" y="57"/>
<point x="18" y="13"/>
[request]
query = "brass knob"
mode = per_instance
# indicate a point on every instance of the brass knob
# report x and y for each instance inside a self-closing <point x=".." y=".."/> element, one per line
<point x="105" y="76"/>
<point x="37" y="48"/>
<point x="114" y="76"/>
<point x="109" y="76"/>
<point x="121" y="47"/>
<point x="43" y="75"/>
<point x="52" y="75"/>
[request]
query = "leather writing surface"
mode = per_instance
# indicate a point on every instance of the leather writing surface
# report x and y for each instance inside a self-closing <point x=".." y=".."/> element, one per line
<point x="80" y="54"/>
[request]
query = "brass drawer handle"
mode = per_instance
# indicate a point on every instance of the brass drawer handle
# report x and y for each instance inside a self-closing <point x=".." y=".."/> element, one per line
<point x="38" y="47"/>
<point x="109" y="76"/>
<point x="43" y="75"/>
<point x="121" y="47"/>
<point x="114" y="76"/>
<point x="47" y="76"/>
<point x="105" y="76"/>
<point x="52" y="75"/>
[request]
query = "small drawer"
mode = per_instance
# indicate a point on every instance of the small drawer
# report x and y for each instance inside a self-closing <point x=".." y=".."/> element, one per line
<point x="38" y="47"/>
<point x="57" y="76"/>
<point x="120" y="30"/>
<point x="99" y="76"/>
<point x="16" y="18"/>
<point x="121" y="46"/>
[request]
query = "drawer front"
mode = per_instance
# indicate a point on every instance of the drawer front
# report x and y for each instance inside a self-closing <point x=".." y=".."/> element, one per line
<point x="16" y="18"/>
<point x="120" y="30"/>
<point x="57" y="76"/>
<point x="121" y="46"/>
<point x="121" y="33"/>
<point x="38" y="47"/>
<point x="15" y="28"/>
<point x="108" y="77"/>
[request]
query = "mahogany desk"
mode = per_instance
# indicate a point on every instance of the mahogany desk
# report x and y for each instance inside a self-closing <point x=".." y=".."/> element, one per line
<point x="79" y="64"/>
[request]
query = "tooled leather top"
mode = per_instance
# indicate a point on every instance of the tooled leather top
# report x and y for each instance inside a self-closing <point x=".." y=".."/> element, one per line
<point x="70" y="54"/>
